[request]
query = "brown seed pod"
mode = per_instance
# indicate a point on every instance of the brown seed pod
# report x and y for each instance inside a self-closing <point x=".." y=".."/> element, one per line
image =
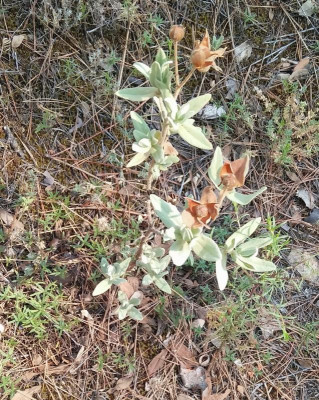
<point x="176" y="33"/>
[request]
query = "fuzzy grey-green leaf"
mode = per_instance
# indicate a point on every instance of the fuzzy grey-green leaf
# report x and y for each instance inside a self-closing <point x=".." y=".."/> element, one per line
<point x="138" y="93"/>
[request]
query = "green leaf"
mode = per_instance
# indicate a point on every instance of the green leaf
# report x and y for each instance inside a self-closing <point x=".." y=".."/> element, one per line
<point x="104" y="265"/>
<point x="147" y="280"/>
<point x="192" y="107"/>
<point x="118" y="281"/>
<point x="179" y="252"/>
<point x="194" y="135"/>
<point x="156" y="76"/>
<point x="255" y="264"/>
<point x="163" y="285"/>
<point x="215" y="167"/>
<point x="164" y="262"/>
<point x="143" y="69"/>
<point x="134" y="313"/>
<point x="138" y="93"/>
<point x="140" y="125"/>
<point x="122" y="312"/>
<point x="205" y="248"/>
<point x="167" y="212"/>
<point x="122" y="297"/>
<point x="102" y="287"/>
<point x="137" y="159"/>
<point x="244" y="199"/>
<point x="171" y="106"/>
<point x="123" y="265"/>
<point x="143" y="146"/>
<point x="161" y="57"/>
<point x="251" y="247"/>
<point x="221" y="271"/>
<point x="242" y="234"/>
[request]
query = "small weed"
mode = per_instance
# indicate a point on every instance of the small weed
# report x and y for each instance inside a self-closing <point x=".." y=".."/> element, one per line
<point x="147" y="38"/>
<point x="207" y="294"/>
<point x="37" y="311"/>
<point x="279" y="241"/>
<point x="230" y="355"/>
<point x="249" y="17"/>
<point x="179" y="315"/>
<point x="48" y="120"/>
<point x="237" y="110"/>
<point x="293" y="130"/>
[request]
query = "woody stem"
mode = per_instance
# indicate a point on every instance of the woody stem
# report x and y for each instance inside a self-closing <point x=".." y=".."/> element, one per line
<point x="180" y="86"/>
<point x="221" y="196"/>
<point x="176" y="64"/>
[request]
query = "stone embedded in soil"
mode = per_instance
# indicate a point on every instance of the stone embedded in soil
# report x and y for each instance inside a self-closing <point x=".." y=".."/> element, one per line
<point x="306" y="264"/>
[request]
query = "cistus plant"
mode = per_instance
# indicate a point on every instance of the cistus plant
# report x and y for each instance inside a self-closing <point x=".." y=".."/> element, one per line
<point x="187" y="231"/>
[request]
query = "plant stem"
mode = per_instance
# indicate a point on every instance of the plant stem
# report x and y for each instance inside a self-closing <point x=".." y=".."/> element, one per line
<point x="176" y="64"/>
<point x="162" y="142"/>
<point x="180" y="86"/>
<point x="223" y="193"/>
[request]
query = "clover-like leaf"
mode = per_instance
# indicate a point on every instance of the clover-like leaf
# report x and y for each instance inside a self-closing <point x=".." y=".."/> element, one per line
<point x="221" y="271"/>
<point x="141" y="129"/>
<point x="161" y="57"/>
<point x="143" y="146"/>
<point x="242" y="234"/>
<point x="147" y="280"/>
<point x="179" y="251"/>
<point x="215" y="167"/>
<point x="137" y="159"/>
<point x="254" y="263"/>
<point x="143" y="69"/>
<point x="193" y="135"/>
<point x="162" y="285"/>
<point x="135" y="314"/>
<point x="102" y="287"/>
<point x="205" y="248"/>
<point x="167" y="212"/>
<point x="192" y="107"/>
<point x="138" y="93"/>
<point x="244" y="199"/>
<point x="251" y="247"/>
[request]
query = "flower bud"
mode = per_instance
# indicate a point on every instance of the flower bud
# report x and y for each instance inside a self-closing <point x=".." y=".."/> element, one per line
<point x="176" y="33"/>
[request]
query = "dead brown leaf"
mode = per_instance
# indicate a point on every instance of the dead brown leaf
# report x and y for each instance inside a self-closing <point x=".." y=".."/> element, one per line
<point x="122" y="384"/>
<point x="157" y="362"/>
<point x="60" y="369"/>
<point x="241" y="389"/>
<point x="302" y="64"/>
<point x="219" y="396"/>
<point x="27" y="394"/>
<point x="6" y="217"/>
<point x="17" y="40"/>
<point x="183" y="396"/>
<point x="268" y="323"/>
<point x="170" y="149"/>
<point x="130" y="286"/>
<point x="184" y="355"/>
<point x="36" y="360"/>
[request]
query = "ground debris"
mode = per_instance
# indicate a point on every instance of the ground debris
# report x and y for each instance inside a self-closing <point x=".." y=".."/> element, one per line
<point x="157" y="363"/>
<point x="307" y="197"/>
<point x="242" y="52"/>
<point x="268" y="323"/>
<point x="194" y="378"/>
<point x="308" y="8"/>
<point x="305" y="263"/>
<point x="27" y="394"/>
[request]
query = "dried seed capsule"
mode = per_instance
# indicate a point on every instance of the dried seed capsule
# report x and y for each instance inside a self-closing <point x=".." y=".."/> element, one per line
<point x="176" y="33"/>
